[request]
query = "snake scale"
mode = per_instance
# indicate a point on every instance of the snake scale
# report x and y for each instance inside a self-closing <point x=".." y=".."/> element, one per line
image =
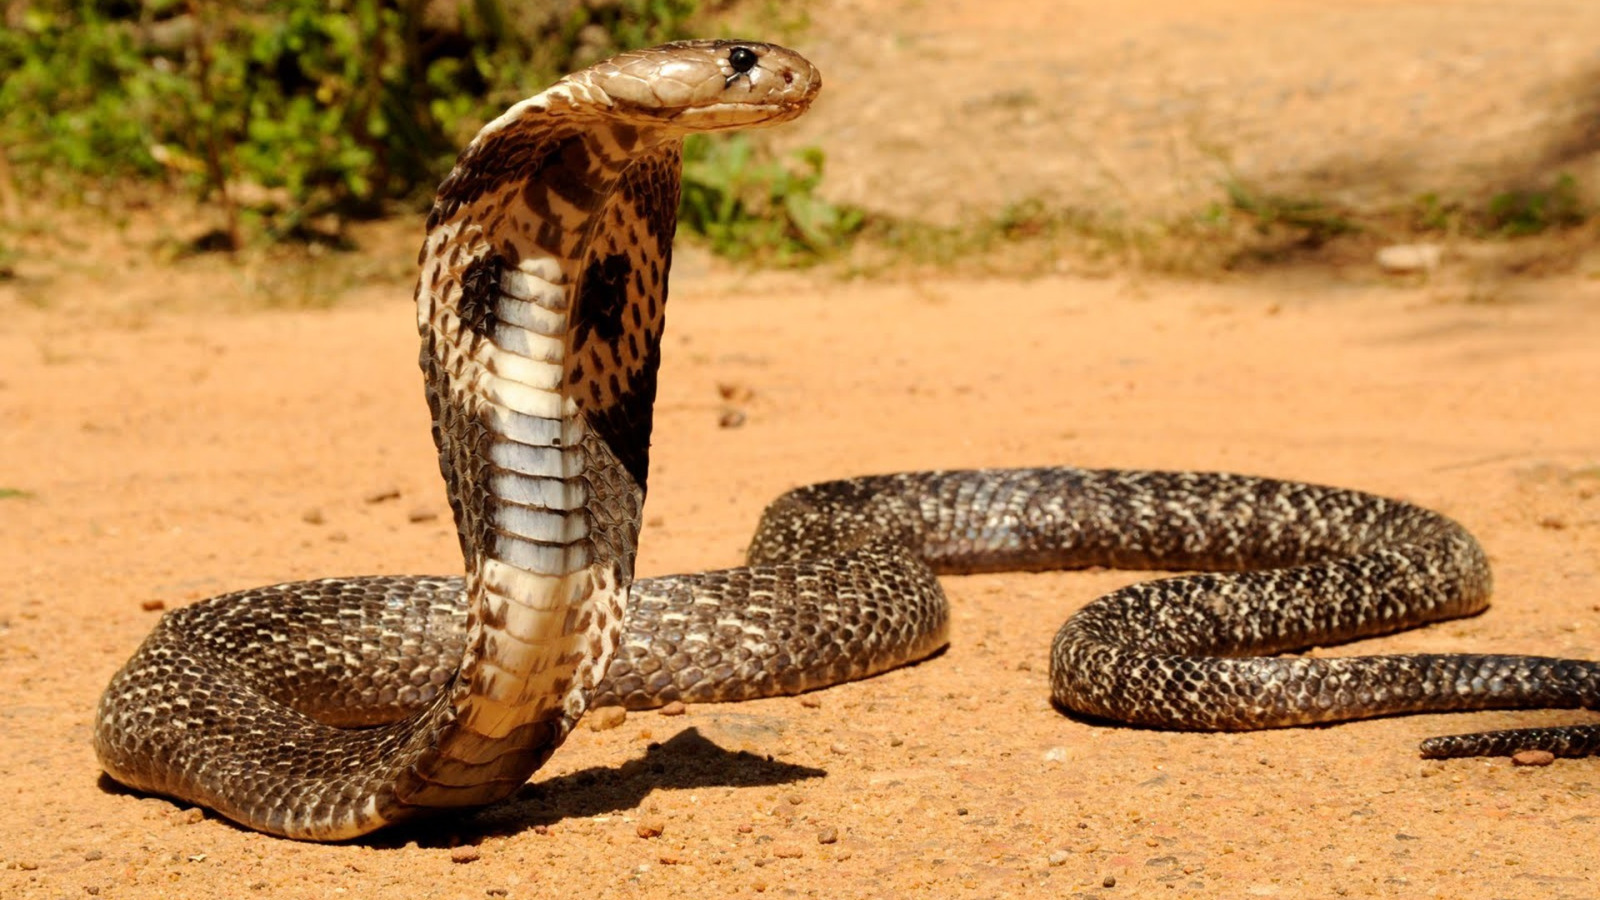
<point x="323" y="710"/>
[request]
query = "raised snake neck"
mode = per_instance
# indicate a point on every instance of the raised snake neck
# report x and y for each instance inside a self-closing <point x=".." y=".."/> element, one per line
<point x="324" y="710"/>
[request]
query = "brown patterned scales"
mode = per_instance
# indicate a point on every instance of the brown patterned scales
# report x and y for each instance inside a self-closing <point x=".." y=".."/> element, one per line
<point x="324" y="710"/>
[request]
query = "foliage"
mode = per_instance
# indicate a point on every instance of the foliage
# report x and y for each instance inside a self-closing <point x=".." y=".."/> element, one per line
<point x="748" y="203"/>
<point x="1524" y="212"/>
<point x="282" y="111"/>
<point x="1311" y="222"/>
<point x="1520" y="212"/>
<point x="980" y="241"/>
<point x="80" y="94"/>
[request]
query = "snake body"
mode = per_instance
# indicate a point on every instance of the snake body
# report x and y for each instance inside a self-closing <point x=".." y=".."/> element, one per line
<point x="326" y="709"/>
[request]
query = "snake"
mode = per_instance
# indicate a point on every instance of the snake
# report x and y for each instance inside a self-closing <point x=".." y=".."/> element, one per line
<point x="326" y="709"/>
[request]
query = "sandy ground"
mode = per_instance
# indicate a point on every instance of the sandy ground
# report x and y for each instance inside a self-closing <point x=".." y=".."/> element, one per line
<point x="170" y="455"/>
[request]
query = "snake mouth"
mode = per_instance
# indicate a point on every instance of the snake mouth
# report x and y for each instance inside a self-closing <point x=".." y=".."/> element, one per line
<point x="732" y="116"/>
<point x="789" y="93"/>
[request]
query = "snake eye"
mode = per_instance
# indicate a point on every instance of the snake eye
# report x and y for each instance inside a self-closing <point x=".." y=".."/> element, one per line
<point x="743" y="59"/>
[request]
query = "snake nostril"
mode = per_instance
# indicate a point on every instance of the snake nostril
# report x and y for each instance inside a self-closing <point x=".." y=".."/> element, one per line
<point x="743" y="59"/>
<point x="788" y="78"/>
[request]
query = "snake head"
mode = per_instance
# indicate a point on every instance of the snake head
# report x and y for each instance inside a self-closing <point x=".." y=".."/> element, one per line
<point x="707" y="85"/>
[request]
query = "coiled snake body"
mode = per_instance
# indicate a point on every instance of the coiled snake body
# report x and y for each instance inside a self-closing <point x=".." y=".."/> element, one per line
<point x="323" y="710"/>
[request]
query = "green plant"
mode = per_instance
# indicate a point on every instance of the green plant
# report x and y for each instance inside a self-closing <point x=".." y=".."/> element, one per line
<point x="283" y="111"/>
<point x="1508" y="214"/>
<point x="1520" y="213"/>
<point x="749" y="204"/>
<point x="1310" y="222"/>
<point x="14" y="494"/>
<point x="1430" y="213"/>
<point x="79" y="93"/>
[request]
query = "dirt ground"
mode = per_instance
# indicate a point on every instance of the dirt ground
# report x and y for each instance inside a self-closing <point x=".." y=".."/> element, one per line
<point x="191" y="443"/>
<point x="943" y="109"/>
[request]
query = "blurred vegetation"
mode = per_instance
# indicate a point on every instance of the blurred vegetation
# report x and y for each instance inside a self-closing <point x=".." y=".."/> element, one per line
<point x="293" y="117"/>
<point x="1509" y="214"/>
<point x="290" y="115"/>
<point x="1290" y="224"/>
<point x="749" y="204"/>
<point x="1246" y="228"/>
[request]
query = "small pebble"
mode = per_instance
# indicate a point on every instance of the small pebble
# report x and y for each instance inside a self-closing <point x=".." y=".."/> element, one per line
<point x="828" y="835"/>
<point x="839" y="749"/>
<point x="675" y="708"/>
<point x="1109" y="881"/>
<point x="93" y="855"/>
<point x="788" y="851"/>
<point x="668" y="859"/>
<point x="383" y="495"/>
<point x="1059" y="858"/>
<point x="464" y="854"/>
<point x="152" y="605"/>
<point x="729" y="390"/>
<point x="1551" y="523"/>
<point x="606" y="718"/>
<point x="650" y="827"/>
<point x="1402" y="259"/>
<point x="312" y="516"/>
<point x="1533" y="758"/>
<point x="731" y="418"/>
<point x="811" y="701"/>
<point x="745" y="828"/>
<point x="193" y="816"/>
<point x="92" y="890"/>
<point x="496" y="892"/>
<point x="422" y="514"/>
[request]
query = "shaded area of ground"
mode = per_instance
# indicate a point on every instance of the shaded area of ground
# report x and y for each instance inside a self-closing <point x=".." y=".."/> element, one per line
<point x="1144" y="109"/>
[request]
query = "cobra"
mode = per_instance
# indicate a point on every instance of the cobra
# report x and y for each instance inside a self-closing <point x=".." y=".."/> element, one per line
<point x="327" y="709"/>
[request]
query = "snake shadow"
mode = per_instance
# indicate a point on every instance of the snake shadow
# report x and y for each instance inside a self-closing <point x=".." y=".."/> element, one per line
<point x="685" y="761"/>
